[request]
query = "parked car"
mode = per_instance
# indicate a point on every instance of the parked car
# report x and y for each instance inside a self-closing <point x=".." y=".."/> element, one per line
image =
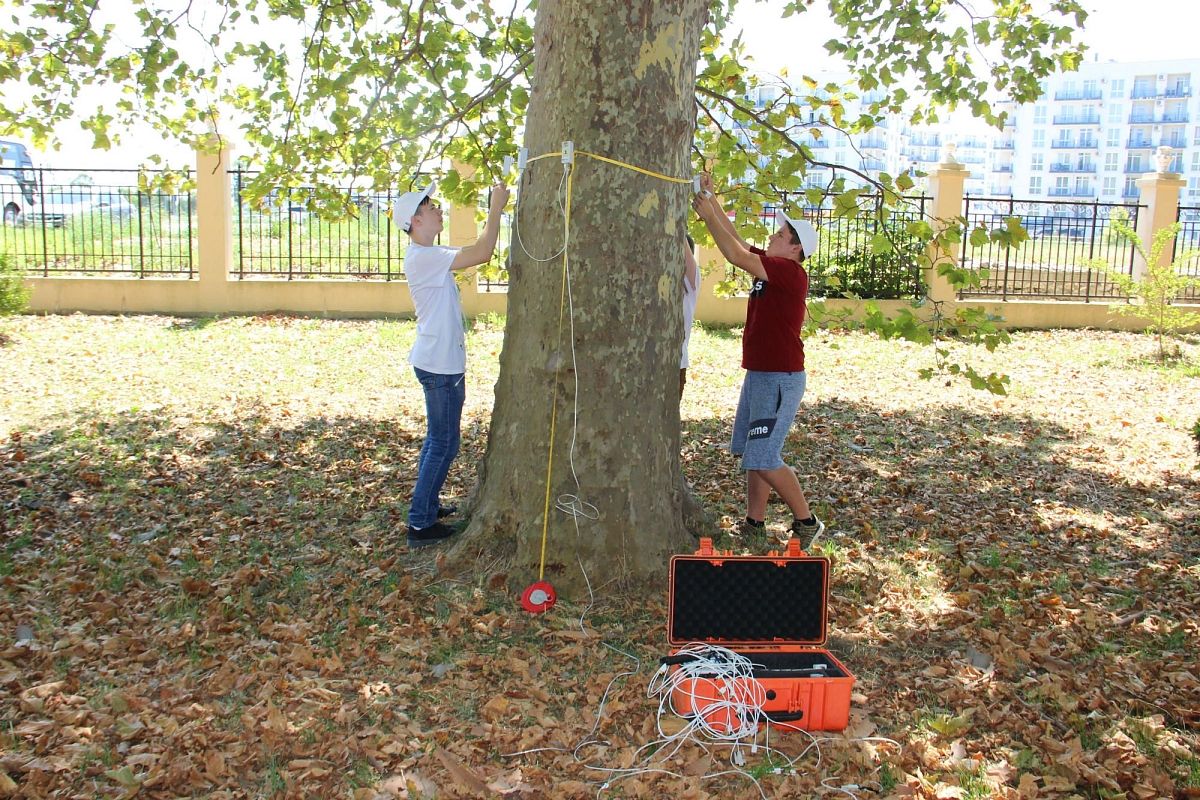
<point x="60" y="208"/>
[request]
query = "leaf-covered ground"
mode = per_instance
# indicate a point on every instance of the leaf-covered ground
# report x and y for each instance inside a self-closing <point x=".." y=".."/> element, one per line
<point x="204" y="590"/>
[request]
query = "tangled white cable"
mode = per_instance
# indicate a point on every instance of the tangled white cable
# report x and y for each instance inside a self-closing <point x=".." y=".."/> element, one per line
<point x="714" y="688"/>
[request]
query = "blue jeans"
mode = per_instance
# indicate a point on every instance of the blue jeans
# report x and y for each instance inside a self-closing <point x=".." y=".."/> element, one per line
<point x="444" y="396"/>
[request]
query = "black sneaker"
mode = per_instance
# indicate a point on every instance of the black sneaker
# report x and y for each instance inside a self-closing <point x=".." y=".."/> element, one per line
<point x="437" y="532"/>
<point x="447" y="511"/>
<point x="807" y="534"/>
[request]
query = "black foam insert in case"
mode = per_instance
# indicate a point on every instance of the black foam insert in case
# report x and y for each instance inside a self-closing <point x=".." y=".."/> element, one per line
<point x="748" y="600"/>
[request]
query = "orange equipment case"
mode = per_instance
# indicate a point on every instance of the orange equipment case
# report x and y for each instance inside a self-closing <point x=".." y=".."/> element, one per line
<point x="771" y="609"/>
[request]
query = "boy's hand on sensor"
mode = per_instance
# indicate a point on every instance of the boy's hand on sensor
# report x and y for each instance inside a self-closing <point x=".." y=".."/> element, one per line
<point x="499" y="197"/>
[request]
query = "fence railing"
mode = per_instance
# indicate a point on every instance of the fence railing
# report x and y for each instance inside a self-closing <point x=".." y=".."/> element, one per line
<point x="846" y="263"/>
<point x="1054" y="263"/>
<point x="100" y="222"/>
<point x="493" y="277"/>
<point x="283" y="237"/>
<point x="1188" y="240"/>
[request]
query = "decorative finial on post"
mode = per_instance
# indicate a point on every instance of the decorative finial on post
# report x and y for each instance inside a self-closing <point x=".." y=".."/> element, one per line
<point x="949" y="154"/>
<point x="1163" y="158"/>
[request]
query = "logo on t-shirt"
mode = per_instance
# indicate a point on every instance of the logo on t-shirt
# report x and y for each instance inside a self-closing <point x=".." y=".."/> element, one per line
<point x="758" y="287"/>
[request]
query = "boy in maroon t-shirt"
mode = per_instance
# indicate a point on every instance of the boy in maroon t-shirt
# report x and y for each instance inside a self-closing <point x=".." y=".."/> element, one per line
<point x="773" y="357"/>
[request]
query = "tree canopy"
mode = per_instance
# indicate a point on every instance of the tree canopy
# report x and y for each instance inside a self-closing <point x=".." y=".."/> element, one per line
<point x="376" y="89"/>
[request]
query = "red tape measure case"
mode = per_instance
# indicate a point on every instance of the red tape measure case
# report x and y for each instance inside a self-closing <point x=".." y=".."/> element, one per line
<point x="773" y="610"/>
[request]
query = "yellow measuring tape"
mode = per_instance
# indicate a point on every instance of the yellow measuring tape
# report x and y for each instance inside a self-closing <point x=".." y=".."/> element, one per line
<point x="562" y="302"/>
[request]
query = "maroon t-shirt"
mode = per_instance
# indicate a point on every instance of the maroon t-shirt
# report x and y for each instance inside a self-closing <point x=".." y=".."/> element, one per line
<point x="774" y="317"/>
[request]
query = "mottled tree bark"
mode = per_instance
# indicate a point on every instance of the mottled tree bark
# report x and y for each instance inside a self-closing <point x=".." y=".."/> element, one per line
<point x="616" y="77"/>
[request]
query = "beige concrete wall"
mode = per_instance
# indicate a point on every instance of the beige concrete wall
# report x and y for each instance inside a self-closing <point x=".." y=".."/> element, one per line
<point x="216" y="292"/>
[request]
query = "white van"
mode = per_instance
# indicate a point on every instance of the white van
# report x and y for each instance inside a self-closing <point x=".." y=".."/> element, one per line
<point x="18" y="184"/>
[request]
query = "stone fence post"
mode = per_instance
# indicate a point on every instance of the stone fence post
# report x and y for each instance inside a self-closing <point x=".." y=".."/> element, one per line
<point x="1160" y="200"/>
<point x="946" y="184"/>
<point x="214" y="222"/>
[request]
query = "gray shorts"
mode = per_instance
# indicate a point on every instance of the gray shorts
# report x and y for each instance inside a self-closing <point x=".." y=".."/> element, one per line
<point x="765" y="413"/>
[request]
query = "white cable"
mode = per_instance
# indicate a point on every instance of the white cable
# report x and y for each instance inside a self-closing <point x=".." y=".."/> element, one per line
<point x="558" y="198"/>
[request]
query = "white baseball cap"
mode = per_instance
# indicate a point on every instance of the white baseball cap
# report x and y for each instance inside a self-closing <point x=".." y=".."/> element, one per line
<point x="805" y="232"/>
<point x="404" y="208"/>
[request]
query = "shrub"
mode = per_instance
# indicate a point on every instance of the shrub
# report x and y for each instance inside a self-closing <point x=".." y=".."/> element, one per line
<point x="14" y="295"/>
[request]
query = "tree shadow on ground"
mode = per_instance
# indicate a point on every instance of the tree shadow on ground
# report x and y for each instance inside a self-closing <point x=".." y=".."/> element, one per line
<point x="950" y="580"/>
<point x="134" y="475"/>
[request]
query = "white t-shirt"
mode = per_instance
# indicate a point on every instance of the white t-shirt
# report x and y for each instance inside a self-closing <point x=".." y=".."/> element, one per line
<point x="441" y="345"/>
<point x="691" y="293"/>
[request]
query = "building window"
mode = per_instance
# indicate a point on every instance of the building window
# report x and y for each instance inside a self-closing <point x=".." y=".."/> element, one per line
<point x="1037" y="162"/>
<point x="1117" y="87"/>
<point x="1110" y="186"/>
<point x="1116" y="112"/>
<point x="1061" y="184"/>
<point x="1194" y="187"/>
<point x="1035" y="184"/>
<point x="1195" y="161"/>
<point x="1039" y="137"/>
<point x="1196" y="136"/>
<point x="1131" y="189"/>
<point x="1091" y="89"/>
<point x="1039" y="114"/>
<point x="1112" y="161"/>
<point x="1114" y="137"/>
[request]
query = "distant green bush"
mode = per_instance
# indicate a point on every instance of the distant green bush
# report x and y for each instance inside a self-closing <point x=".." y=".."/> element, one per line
<point x="859" y="258"/>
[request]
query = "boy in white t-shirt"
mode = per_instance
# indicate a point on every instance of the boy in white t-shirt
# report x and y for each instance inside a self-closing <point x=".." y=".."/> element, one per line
<point x="439" y="356"/>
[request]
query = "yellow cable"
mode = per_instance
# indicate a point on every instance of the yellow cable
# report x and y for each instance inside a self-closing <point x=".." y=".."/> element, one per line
<point x="615" y="162"/>
<point x="562" y="304"/>
<point x="649" y="172"/>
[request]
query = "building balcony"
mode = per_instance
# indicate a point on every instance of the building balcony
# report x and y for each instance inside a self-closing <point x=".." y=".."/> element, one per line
<point x="875" y="144"/>
<point x="1077" y="94"/>
<point x="1082" y="144"/>
<point x="925" y="141"/>
<point x="1175" y="117"/>
<point x="1139" y="144"/>
<point x="1179" y="91"/>
<point x="1141" y="118"/>
<point x="1056" y="191"/>
<point x="1131" y="193"/>
<point x="1005" y="145"/>
<point x="1003" y="168"/>
<point x="1143" y="93"/>
<point x="1136" y="168"/>
<point x="1080" y="168"/>
<point x="1073" y="119"/>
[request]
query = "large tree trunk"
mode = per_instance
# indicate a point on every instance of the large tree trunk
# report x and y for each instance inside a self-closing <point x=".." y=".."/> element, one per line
<point x="616" y="77"/>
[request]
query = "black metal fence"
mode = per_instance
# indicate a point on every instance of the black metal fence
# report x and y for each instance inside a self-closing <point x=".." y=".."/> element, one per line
<point x="283" y="237"/>
<point x="1186" y="244"/>
<point x="109" y="222"/>
<point x="1068" y="255"/>
<point x="847" y="262"/>
<point x="493" y="276"/>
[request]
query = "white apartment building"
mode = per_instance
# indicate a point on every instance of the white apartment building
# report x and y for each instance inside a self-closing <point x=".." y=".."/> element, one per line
<point x="1090" y="136"/>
